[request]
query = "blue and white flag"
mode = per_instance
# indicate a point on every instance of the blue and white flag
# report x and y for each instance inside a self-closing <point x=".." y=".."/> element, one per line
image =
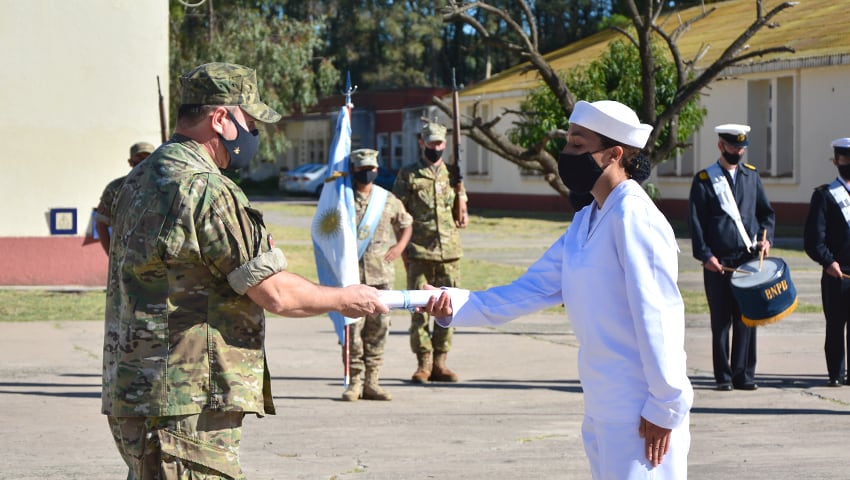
<point x="334" y="226"/>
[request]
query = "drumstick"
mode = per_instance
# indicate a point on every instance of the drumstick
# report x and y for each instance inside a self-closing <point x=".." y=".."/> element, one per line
<point x="761" y="252"/>
<point x="733" y="270"/>
<point x="844" y="275"/>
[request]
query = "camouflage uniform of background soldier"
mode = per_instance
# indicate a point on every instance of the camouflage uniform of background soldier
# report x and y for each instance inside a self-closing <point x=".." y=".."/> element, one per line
<point x="433" y="255"/>
<point x="390" y="237"/>
<point x="103" y="216"/>
<point x="191" y="271"/>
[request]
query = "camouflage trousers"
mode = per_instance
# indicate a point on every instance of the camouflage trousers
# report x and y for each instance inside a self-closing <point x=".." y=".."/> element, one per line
<point x="204" y="446"/>
<point x="438" y="274"/>
<point x="368" y="339"/>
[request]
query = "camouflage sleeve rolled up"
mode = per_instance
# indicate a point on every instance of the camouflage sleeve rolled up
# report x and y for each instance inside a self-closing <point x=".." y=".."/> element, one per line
<point x="233" y="238"/>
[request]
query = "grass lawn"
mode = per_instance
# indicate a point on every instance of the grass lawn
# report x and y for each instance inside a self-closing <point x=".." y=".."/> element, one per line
<point x="34" y="305"/>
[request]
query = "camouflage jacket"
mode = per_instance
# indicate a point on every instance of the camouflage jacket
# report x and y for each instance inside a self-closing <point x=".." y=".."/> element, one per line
<point x="373" y="269"/>
<point x="428" y="197"/>
<point x="180" y="336"/>
<point x="107" y="198"/>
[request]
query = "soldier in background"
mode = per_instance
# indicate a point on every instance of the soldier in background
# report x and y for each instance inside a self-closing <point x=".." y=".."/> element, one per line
<point x="103" y="218"/>
<point x="189" y="278"/>
<point x="827" y="242"/>
<point x="383" y="229"/>
<point x="728" y="215"/>
<point x="434" y="253"/>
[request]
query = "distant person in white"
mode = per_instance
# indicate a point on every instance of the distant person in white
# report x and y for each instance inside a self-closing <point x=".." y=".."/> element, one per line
<point x="615" y="270"/>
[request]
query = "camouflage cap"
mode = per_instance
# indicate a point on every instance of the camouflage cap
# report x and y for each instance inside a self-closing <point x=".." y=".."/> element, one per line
<point x="433" y="132"/>
<point x="141" y="147"/>
<point x="226" y="84"/>
<point x="364" y="157"/>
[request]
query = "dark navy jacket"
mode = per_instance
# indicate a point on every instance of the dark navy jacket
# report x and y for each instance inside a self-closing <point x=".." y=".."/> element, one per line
<point x="713" y="232"/>
<point x="827" y="235"/>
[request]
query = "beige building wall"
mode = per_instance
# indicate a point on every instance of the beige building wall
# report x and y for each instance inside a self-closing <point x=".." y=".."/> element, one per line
<point x="502" y="176"/>
<point x="78" y="87"/>
<point x="821" y="100"/>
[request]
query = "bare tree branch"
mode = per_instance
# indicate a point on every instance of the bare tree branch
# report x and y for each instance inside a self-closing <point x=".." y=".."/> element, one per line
<point x="645" y="20"/>
<point x="456" y="12"/>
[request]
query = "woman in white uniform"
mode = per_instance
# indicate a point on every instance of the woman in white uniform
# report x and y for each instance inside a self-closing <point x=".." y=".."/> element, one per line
<point x="615" y="270"/>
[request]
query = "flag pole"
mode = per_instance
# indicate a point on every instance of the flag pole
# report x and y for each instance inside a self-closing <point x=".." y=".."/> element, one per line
<point x="347" y="347"/>
<point x="347" y="358"/>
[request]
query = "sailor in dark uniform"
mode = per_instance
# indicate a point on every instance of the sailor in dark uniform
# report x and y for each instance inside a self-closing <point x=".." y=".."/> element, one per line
<point x="827" y="241"/>
<point x="728" y="215"/>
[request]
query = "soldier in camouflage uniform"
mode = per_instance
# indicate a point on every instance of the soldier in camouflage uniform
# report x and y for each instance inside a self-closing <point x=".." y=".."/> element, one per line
<point x="103" y="216"/>
<point x="433" y="255"/>
<point x="384" y="241"/>
<point x="190" y="274"/>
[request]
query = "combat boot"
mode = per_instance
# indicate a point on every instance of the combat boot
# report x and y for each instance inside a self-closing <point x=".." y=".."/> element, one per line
<point x="354" y="390"/>
<point x="423" y="371"/>
<point x="440" y="372"/>
<point x="371" y="389"/>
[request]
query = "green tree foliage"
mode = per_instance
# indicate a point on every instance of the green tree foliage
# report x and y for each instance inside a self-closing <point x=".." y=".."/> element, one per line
<point x="259" y="35"/>
<point x="615" y="75"/>
<point x="398" y="44"/>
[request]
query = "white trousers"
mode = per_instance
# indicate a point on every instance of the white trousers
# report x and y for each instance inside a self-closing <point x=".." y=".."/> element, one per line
<point x="616" y="452"/>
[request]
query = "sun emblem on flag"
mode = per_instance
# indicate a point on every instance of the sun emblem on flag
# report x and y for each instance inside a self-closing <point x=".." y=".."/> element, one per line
<point x="329" y="222"/>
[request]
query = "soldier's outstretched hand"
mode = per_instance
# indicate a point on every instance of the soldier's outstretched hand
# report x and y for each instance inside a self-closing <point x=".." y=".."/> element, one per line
<point x="362" y="300"/>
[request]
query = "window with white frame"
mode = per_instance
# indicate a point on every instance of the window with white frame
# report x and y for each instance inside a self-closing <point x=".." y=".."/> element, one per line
<point x="475" y="156"/>
<point x="398" y="151"/>
<point x="683" y="164"/>
<point x="312" y="151"/>
<point x="382" y="145"/>
<point x="320" y="154"/>
<point x="770" y="114"/>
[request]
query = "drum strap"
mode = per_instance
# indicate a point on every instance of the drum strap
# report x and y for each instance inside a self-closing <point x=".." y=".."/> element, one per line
<point x="839" y="193"/>
<point x="727" y="201"/>
<point x="371" y="218"/>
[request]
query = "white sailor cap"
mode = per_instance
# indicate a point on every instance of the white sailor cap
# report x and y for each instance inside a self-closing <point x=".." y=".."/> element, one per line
<point x="734" y="134"/>
<point x="613" y="120"/>
<point x="841" y="146"/>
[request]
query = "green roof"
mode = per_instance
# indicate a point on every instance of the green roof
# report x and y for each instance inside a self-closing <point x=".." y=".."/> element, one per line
<point x="813" y="28"/>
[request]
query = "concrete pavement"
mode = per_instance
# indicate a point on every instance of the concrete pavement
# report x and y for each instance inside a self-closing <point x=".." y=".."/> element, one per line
<point x="516" y="412"/>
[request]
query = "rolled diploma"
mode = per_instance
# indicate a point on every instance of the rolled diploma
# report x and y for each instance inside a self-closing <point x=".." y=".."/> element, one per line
<point x="407" y="299"/>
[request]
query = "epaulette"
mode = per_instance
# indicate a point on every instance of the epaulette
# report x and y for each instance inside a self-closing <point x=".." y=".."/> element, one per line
<point x="703" y="175"/>
<point x="751" y="167"/>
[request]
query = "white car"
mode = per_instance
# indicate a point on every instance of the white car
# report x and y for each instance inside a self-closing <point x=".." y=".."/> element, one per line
<point x="294" y="180"/>
<point x="308" y="178"/>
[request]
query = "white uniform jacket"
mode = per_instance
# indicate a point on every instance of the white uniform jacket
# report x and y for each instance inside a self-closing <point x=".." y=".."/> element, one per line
<point x="617" y="279"/>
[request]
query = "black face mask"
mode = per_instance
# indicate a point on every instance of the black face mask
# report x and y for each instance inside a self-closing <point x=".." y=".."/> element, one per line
<point x="365" y="176"/>
<point x="242" y="148"/>
<point x="844" y="171"/>
<point x="579" y="172"/>
<point x="732" y="158"/>
<point x="432" y="154"/>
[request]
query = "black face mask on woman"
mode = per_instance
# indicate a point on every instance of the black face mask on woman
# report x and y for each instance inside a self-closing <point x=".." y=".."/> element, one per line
<point x="579" y="172"/>
<point x="365" y="176"/>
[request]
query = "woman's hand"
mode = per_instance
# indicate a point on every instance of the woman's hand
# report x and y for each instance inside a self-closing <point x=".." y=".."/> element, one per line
<point x="657" y="441"/>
